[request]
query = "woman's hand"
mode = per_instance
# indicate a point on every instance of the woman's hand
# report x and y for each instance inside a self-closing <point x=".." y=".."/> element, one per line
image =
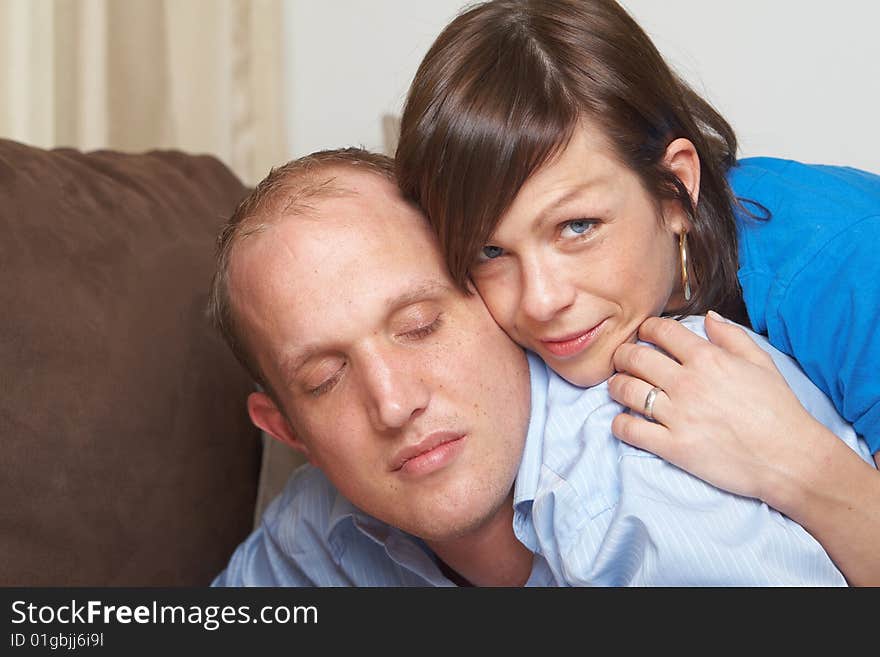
<point x="725" y="413"/>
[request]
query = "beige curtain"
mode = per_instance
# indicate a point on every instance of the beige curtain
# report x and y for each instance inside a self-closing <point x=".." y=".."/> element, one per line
<point x="204" y="76"/>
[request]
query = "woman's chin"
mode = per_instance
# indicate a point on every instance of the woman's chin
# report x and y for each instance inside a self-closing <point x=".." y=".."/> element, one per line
<point x="585" y="376"/>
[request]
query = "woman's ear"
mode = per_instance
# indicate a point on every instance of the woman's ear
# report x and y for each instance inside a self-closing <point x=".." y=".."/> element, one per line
<point x="268" y="417"/>
<point x="682" y="159"/>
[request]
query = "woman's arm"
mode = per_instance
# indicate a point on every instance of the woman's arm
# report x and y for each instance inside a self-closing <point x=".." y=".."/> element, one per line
<point x="728" y="416"/>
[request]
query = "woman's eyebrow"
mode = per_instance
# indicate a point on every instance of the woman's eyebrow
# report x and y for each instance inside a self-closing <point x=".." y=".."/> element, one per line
<point x="548" y="212"/>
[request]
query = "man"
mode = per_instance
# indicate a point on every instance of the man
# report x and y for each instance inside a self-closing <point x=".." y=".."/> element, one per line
<point x="439" y="453"/>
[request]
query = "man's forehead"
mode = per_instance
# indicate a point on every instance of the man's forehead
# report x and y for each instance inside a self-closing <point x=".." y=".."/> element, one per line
<point x="360" y="193"/>
<point x="366" y="247"/>
<point x="361" y="201"/>
<point x="342" y="257"/>
<point x="384" y="303"/>
<point x="417" y="291"/>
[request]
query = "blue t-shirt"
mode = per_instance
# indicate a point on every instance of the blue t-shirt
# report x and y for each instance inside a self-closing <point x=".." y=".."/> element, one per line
<point x="811" y="276"/>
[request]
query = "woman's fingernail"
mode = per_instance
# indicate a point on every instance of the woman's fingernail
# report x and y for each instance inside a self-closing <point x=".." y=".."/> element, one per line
<point x="717" y="317"/>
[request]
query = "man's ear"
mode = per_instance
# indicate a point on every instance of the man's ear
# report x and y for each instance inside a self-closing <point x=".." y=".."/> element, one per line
<point x="682" y="159"/>
<point x="266" y="415"/>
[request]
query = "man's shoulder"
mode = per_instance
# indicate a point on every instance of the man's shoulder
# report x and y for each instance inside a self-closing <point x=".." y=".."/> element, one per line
<point x="307" y="497"/>
<point x="785" y="363"/>
<point x="814" y="400"/>
<point x="306" y="480"/>
<point x="289" y="547"/>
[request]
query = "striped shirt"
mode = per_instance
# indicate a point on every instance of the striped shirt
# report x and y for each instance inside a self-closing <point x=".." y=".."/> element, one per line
<point x="594" y="510"/>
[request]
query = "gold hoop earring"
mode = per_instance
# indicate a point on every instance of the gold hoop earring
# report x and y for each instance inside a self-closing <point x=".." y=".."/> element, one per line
<point x="685" y="281"/>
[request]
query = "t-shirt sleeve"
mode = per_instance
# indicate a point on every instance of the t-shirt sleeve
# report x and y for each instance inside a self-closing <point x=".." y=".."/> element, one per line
<point x="827" y="318"/>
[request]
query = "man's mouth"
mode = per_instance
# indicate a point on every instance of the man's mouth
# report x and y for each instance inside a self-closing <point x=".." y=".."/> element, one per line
<point x="431" y="453"/>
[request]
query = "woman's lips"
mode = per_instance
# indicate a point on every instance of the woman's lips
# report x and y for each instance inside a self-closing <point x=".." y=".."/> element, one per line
<point x="571" y="345"/>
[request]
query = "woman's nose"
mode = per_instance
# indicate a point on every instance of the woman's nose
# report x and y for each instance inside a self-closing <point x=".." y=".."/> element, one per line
<point x="546" y="292"/>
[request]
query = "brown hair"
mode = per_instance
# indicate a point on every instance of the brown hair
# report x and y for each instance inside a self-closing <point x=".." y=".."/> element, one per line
<point x="502" y="90"/>
<point x="287" y="191"/>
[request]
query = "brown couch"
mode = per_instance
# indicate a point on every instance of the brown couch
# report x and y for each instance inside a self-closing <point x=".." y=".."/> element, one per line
<point x="128" y="457"/>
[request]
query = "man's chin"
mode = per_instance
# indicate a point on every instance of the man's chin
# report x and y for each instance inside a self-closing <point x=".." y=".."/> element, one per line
<point x="449" y="520"/>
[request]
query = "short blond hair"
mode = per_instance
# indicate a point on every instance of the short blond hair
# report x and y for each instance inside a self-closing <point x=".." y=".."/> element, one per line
<point x="288" y="190"/>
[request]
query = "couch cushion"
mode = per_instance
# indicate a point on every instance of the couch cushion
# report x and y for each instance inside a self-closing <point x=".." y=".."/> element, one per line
<point x="127" y="455"/>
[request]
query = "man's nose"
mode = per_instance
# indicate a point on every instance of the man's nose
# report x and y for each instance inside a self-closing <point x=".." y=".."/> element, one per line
<point x="396" y="390"/>
<point x="545" y="291"/>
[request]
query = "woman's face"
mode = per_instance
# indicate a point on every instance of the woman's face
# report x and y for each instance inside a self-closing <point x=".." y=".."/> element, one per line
<point x="581" y="258"/>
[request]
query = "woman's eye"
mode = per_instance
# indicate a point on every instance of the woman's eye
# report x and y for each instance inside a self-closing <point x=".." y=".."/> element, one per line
<point x="577" y="227"/>
<point x="491" y="252"/>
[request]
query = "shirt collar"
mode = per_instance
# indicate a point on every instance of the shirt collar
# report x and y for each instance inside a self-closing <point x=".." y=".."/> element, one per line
<point x="526" y="486"/>
<point x="344" y="513"/>
<point x="342" y="510"/>
<point x="406" y="550"/>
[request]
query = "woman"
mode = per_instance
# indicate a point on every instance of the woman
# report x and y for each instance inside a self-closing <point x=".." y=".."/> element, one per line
<point x="582" y="187"/>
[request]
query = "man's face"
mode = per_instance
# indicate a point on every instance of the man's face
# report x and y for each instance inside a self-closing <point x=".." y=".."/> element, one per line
<point x="400" y="388"/>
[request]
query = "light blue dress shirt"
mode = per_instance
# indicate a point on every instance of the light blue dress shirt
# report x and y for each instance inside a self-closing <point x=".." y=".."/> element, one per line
<point x="594" y="510"/>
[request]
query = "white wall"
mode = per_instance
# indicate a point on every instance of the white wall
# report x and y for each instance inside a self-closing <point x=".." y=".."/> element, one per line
<point x="796" y="78"/>
<point x="350" y="62"/>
